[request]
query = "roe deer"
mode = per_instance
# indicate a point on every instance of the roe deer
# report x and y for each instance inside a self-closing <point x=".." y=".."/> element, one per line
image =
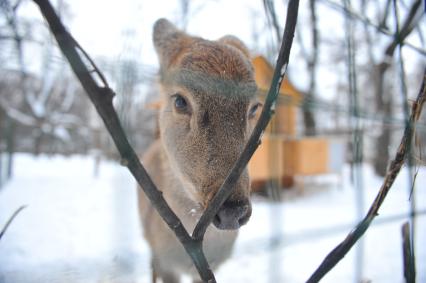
<point x="207" y="113"/>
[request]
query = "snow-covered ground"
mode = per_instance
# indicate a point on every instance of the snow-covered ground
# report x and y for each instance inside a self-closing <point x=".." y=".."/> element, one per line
<point x="82" y="228"/>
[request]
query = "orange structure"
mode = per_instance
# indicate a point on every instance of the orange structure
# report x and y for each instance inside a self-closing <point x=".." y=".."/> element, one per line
<point x="282" y="154"/>
<point x="284" y="120"/>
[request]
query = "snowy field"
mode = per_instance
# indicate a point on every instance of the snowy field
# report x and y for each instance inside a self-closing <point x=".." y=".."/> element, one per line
<point x="82" y="228"/>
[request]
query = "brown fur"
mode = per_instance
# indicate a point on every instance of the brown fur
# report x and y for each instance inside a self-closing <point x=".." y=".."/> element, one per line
<point x="196" y="150"/>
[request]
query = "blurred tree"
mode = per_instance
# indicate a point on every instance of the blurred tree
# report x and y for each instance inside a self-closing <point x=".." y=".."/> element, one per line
<point x="40" y="109"/>
<point x="312" y="62"/>
<point x="9" y="31"/>
<point x="384" y="102"/>
<point x="375" y="69"/>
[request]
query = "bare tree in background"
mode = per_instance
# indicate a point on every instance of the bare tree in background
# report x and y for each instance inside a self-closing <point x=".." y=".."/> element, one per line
<point x="9" y="32"/>
<point x="184" y="13"/>
<point x="384" y="103"/>
<point x="21" y="114"/>
<point x="377" y="68"/>
<point x="132" y="104"/>
<point x="127" y="78"/>
<point x="312" y="62"/>
<point x="187" y="10"/>
<point x="102" y="97"/>
<point x="40" y="113"/>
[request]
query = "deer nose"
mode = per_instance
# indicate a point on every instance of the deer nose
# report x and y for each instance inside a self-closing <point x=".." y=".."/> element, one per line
<point x="233" y="214"/>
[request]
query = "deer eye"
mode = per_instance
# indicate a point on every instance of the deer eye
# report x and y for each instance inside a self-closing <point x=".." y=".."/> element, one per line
<point x="180" y="104"/>
<point x="253" y="110"/>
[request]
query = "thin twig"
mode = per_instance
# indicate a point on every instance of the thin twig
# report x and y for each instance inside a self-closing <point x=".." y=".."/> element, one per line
<point x="343" y="248"/>
<point x="6" y="226"/>
<point x="95" y="67"/>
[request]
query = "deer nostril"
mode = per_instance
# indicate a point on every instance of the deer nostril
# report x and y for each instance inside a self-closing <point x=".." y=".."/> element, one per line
<point x="246" y="216"/>
<point x="232" y="215"/>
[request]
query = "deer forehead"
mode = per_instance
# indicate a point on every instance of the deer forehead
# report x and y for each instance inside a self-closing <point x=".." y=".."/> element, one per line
<point x="201" y="86"/>
<point x="217" y="59"/>
<point x="211" y="68"/>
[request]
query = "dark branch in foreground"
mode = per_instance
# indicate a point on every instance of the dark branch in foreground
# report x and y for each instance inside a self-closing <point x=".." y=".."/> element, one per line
<point x="3" y="231"/>
<point x="102" y="97"/>
<point x="343" y="248"/>
<point x="265" y="116"/>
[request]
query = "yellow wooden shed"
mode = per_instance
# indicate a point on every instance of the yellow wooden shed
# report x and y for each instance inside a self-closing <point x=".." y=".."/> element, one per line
<point x="283" y="154"/>
<point x="284" y="120"/>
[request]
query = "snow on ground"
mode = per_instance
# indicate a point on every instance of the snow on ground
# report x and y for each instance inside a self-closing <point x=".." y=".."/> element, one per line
<point x="82" y="228"/>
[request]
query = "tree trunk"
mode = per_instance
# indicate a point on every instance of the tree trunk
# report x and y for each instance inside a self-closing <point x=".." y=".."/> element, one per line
<point x="383" y="142"/>
<point x="308" y="115"/>
<point x="309" y="121"/>
<point x="10" y="147"/>
<point x="2" y="131"/>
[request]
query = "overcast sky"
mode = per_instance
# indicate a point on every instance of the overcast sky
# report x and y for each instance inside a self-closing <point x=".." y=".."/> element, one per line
<point x="118" y="30"/>
<point x="109" y="28"/>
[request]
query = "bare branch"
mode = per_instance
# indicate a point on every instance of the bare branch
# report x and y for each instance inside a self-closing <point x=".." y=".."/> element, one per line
<point x="95" y="68"/>
<point x="410" y="22"/>
<point x="410" y="19"/>
<point x="383" y="22"/>
<point x="16" y="114"/>
<point x="382" y="153"/>
<point x="343" y="248"/>
<point x="265" y="116"/>
<point x="101" y="97"/>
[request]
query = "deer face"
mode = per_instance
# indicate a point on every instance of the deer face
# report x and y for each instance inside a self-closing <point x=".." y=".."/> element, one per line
<point x="207" y="116"/>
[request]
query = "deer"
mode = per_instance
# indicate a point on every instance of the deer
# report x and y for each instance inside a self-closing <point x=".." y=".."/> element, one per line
<point x="208" y="111"/>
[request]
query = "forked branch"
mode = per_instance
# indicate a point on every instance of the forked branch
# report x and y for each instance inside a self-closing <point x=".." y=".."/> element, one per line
<point x="267" y="112"/>
<point x="101" y="97"/>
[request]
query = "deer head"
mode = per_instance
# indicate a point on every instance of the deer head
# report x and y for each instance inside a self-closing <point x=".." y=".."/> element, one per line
<point x="208" y="111"/>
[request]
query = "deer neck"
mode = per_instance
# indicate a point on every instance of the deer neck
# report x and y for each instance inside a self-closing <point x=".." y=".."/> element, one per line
<point x="174" y="192"/>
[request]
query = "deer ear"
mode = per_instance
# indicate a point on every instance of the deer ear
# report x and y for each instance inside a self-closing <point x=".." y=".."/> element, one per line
<point x="235" y="42"/>
<point x="168" y="42"/>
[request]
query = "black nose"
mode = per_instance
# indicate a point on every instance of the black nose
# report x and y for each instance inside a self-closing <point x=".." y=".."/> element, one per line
<point x="233" y="214"/>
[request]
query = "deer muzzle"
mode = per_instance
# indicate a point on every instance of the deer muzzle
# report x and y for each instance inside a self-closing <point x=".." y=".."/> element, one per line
<point x="233" y="214"/>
